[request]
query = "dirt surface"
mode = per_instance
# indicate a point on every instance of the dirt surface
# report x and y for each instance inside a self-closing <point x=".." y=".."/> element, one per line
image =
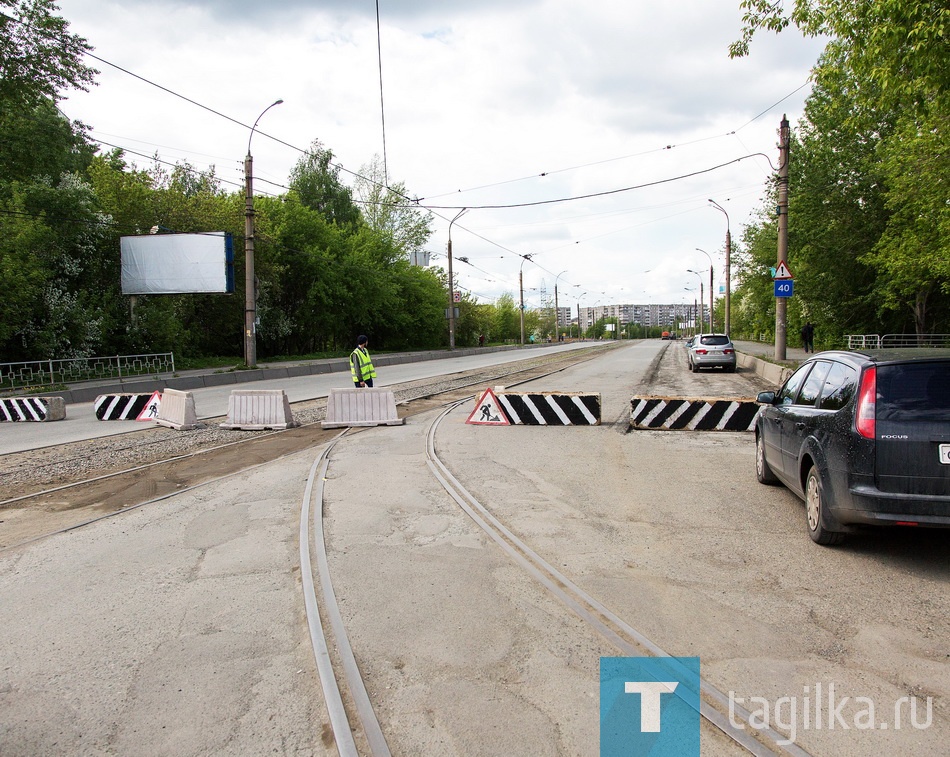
<point x="56" y="488"/>
<point x="177" y="629"/>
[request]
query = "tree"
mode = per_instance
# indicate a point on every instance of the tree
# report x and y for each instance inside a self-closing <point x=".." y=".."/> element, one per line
<point x="387" y="210"/>
<point x="507" y="322"/>
<point x="869" y="177"/>
<point x="900" y="45"/>
<point x="317" y="183"/>
<point x="38" y="57"/>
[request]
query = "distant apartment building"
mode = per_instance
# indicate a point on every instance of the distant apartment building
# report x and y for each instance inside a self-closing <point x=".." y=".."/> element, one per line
<point x="679" y="315"/>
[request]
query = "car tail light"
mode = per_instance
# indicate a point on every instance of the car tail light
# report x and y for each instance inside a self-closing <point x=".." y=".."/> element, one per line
<point x="867" y="397"/>
<point x="701" y="352"/>
<point x="727" y="352"/>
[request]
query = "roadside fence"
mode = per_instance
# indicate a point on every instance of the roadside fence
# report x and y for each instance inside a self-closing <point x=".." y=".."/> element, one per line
<point x="895" y="341"/>
<point x="39" y="374"/>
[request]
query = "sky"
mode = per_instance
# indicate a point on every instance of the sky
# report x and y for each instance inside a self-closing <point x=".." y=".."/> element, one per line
<point x="602" y="128"/>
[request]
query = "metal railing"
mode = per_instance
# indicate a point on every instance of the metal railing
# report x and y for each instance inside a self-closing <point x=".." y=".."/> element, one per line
<point x="895" y="341"/>
<point x="37" y="374"/>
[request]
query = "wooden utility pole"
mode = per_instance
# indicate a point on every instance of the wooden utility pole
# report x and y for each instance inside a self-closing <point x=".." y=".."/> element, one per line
<point x="781" y="303"/>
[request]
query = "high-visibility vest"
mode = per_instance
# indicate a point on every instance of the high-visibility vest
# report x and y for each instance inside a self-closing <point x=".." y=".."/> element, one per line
<point x="366" y="365"/>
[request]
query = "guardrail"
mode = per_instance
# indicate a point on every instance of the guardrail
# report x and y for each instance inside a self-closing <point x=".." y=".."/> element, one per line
<point x="45" y="373"/>
<point x="895" y="341"/>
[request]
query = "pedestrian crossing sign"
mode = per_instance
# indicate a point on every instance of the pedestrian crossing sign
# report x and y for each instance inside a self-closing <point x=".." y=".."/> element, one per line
<point x="488" y="412"/>
<point x="150" y="411"/>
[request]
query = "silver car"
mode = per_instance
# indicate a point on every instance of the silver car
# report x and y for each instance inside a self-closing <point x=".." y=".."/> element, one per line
<point x="711" y="350"/>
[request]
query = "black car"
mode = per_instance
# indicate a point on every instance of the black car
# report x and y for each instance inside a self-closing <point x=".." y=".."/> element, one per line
<point x="862" y="437"/>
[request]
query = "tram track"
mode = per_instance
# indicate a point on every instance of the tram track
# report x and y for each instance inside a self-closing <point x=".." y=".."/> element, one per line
<point x="735" y="722"/>
<point x="117" y="476"/>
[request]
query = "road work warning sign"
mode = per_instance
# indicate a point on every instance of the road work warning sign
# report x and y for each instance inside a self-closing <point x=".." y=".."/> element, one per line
<point x="488" y="412"/>
<point x="150" y="411"/>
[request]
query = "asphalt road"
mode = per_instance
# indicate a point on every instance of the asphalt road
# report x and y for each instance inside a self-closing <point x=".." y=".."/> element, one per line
<point x="212" y="401"/>
<point x="177" y="628"/>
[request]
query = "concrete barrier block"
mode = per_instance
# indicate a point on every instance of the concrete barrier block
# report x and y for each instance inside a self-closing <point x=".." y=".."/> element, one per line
<point x="259" y="409"/>
<point x="361" y="407"/>
<point x="177" y="410"/>
<point x="693" y="413"/>
<point x="39" y="409"/>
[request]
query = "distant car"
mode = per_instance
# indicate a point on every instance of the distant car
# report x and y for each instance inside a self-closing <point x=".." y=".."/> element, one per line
<point x="862" y="438"/>
<point x="710" y="351"/>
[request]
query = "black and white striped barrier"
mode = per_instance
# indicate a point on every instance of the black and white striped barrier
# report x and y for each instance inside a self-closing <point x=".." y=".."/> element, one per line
<point x="694" y="414"/>
<point x="127" y="407"/>
<point x="32" y="409"/>
<point x="501" y="408"/>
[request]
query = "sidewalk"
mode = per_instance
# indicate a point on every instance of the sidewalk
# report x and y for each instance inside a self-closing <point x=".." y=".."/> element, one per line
<point x="87" y="391"/>
<point x="765" y="350"/>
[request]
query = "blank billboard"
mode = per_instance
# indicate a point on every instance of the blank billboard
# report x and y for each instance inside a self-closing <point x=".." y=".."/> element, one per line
<point x="178" y="263"/>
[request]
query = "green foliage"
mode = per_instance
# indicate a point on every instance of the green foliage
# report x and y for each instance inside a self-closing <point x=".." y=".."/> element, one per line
<point x="386" y="209"/>
<point x="38" y="57"/>
<point x="868" y="212"/>
<point x="317" y="183"/>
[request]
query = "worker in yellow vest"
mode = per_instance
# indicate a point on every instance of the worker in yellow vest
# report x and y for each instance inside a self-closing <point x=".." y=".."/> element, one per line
<point x="361" y="364"/>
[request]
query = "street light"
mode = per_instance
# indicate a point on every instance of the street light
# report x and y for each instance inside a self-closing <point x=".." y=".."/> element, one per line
<point x="728" y="308"/>
<point x="521" y="288"/>
<point x="250" y="282"/>
<point x="712" y="302"/>
<point x="692" y="310"/>
<point x="452" y="284"/>
<point x="557" y="312"/>
<point x="700" y="277"/>
<point x="581" y="297"/>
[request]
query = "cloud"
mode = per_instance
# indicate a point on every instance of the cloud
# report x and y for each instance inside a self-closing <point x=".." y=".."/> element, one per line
<point x="487" y="102"/>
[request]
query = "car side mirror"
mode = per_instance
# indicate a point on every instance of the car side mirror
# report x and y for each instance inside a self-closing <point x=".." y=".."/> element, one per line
<point x="766" y="398"/>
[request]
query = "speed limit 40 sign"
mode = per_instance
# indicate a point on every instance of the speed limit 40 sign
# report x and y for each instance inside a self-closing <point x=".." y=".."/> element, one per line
<point x="784" y="287"/>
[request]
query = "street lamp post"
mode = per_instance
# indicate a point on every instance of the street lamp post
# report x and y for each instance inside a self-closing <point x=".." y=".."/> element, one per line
<point x="250" y="281"/>
<point x="728" y="307"/>
<point x="557" y="313"/>
<point x="452" y="284"/>
<point x="701" y="321"/>
<point x="712" y="301"/>
<point x="521" y="289"/>
<point x="579" y="332"/>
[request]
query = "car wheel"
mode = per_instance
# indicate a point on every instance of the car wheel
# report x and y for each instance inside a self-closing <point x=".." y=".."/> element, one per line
<point x="694" y="367"/>
<point x="763" y="472"/>
<point x="815" y="511"/>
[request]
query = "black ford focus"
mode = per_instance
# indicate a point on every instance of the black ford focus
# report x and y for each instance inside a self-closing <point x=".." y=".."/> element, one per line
<point x="863" y="437"/>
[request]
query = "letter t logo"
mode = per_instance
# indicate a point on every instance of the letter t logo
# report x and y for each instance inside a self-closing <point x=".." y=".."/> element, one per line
<point x="650" y="701"/>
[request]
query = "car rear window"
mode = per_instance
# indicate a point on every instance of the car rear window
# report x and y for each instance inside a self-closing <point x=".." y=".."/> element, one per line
<point x="915" y="391"/>
<point x="714" y="339"/>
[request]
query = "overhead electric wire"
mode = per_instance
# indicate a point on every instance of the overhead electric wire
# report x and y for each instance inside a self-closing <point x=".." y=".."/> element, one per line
<point x="594" y="194"/>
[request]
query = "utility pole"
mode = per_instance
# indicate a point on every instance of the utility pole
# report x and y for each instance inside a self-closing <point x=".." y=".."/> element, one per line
<point x="250" y="280"/>
<point x="781" y="303"/>
<point x="727" y="320"/>
<point x="451" y="311"/>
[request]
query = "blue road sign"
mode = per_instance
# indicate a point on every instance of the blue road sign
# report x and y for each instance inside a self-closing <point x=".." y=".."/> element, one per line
<point x="784" y="287"/>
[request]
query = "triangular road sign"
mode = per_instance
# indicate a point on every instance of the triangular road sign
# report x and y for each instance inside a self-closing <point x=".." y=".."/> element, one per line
<point x="488" y="412"/>
<point x="783" y="271"/>
<point x="150" y="411"/>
